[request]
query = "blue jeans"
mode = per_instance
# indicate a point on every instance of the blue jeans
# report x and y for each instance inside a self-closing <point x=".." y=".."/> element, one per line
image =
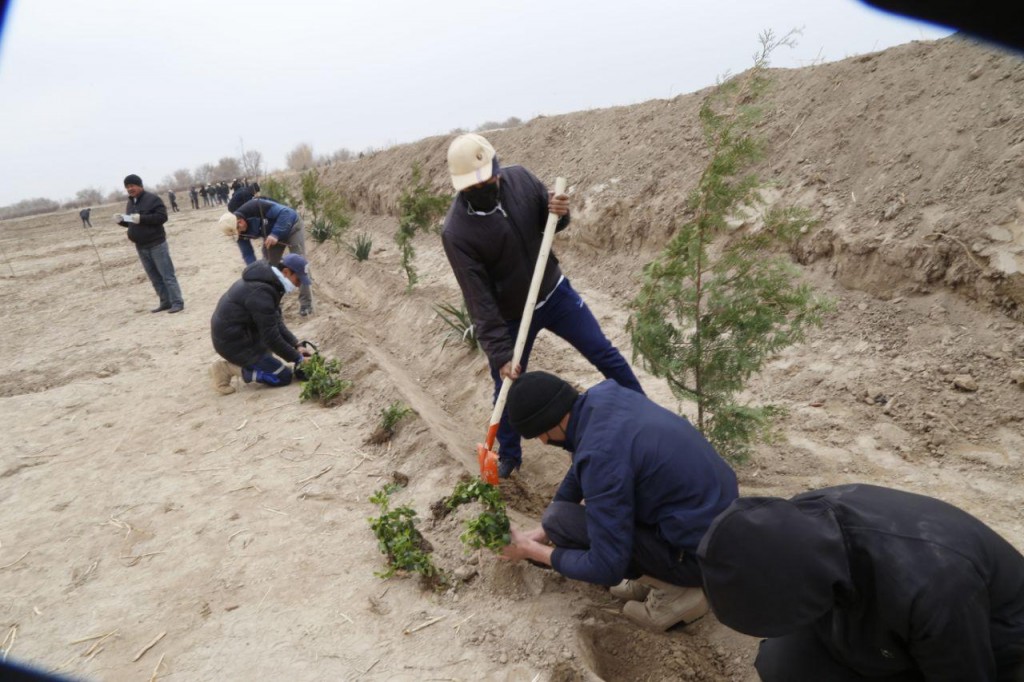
<point x="268" y="370"/>
<point x="565" y="524"/>
<point x="156" y="261"/>
<point x="565" y="314"/>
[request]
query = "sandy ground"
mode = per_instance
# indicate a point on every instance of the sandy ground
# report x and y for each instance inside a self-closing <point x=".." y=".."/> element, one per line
<point x="139" y="503"/>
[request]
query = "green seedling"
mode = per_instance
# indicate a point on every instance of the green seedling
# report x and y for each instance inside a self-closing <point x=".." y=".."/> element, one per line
<point x="361" y="249"/>
<point x="459" y="325"/>
<point x="399" y="540"/>
<point x="322" y="382"/>
<point x="491" y="528"/>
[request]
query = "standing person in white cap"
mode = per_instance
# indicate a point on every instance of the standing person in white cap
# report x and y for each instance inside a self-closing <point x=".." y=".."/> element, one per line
<point x="492" y="236"/>
<point x="248" y="331"/>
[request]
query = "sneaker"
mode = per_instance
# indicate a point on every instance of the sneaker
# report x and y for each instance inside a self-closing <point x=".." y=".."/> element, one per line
<point x="221" y="372"/>
<point x="630" y="590"/>
<point x="663" y="608"/>
<point x="176" y="308"/>
<point x="506" y="467"/>
<point x="160" y="308"/>
<point x="304" y="312"/>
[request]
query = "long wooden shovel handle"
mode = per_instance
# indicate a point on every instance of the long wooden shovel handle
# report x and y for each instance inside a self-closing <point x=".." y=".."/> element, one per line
<point x="524" y="325"/>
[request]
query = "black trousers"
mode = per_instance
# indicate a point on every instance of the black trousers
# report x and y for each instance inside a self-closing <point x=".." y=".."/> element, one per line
<point x="565" y="524"/>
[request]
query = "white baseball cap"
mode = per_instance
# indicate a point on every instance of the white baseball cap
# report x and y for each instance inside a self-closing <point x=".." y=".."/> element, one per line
<point x="470" y="160"/>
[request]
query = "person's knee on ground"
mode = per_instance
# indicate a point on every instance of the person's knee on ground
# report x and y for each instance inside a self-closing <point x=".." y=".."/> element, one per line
<point x="565" y="524"/>
<point x="273" y="378"/>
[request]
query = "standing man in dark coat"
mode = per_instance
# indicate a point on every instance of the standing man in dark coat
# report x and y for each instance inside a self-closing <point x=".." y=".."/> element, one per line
<point x="144" y="216"/>
<point x="492" y="236"/>
<point x="84" y="215"/>
<point x="193" y="196"/>
<point x="859" y="582"/>
<point x="279" y="227"/>
<point x="247" y="327"/>
<point x="174" y="200"/>
<point x="652" y="485"/>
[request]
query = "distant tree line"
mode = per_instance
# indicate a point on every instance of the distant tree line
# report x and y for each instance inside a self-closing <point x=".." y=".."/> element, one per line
<point x="248" y="164"/>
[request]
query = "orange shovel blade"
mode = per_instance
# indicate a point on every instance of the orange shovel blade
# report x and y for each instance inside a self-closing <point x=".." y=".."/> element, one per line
<point x="488" y="461"/>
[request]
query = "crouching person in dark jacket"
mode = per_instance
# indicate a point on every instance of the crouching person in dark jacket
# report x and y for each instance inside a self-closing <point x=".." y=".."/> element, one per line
<point x="652" y="485"/>
<point x="858" y="582"/>
<point x="248" y="329"/>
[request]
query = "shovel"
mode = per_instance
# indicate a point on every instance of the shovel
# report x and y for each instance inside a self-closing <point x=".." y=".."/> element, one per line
<point x="486" y="457"/>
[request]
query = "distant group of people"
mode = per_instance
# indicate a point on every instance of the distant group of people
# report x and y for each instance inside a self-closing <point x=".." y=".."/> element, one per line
<point x="854" y="582"/>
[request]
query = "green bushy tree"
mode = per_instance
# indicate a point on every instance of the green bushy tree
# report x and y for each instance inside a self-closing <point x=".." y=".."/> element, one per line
<point x="717" y="304"/>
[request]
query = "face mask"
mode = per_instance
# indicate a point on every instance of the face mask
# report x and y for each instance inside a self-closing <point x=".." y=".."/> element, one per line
<point x="560" y="443"/>
<point x="285" y="282"/>
<point x="484" y="198"/>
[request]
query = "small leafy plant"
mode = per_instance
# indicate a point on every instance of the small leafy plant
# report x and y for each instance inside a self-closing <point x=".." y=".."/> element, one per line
<point x="490" y="528"/>
<point x="277" y="190"/>
<point x="459" y="325"/>
<point x="398" y="539"/>
<point x="361" y="249"/>
<point x="329" y="210"/>
<point x="389" y="418"/>
<point x="419" y="210"/>
<point x="323" y="382"/>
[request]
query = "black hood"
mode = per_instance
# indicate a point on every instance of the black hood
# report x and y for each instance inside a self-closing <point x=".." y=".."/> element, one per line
<point x="772" y="566"/>
<point x="261" y="271"/>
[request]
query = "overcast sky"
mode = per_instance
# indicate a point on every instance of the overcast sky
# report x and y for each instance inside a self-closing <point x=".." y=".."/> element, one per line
<point x="93" y="90"/>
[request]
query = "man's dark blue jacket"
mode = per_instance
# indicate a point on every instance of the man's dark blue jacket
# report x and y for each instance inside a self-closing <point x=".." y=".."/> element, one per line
<point x="636" y="464"/>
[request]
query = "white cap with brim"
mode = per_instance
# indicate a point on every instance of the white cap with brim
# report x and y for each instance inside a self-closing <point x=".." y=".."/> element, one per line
<point x="228" y="224"/>
<point x="470" y="160"/>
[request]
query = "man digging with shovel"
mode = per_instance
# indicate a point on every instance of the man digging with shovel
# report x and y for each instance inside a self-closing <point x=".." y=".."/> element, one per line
<point x="652" y="486"/>
<point x="492" y="236"/>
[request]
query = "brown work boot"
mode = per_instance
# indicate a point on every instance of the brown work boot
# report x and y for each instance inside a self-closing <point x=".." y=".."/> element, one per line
<point x="630" y="590"/>
<point x="221" y="372"/>
<point x="666" y="606"/>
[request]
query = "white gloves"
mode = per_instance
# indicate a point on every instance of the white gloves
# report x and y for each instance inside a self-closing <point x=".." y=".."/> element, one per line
<point x="133" y="218"/>
<point x="118" y="218"/>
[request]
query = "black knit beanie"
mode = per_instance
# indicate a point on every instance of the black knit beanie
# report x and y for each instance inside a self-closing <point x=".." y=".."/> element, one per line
<point x="133" y="179"/>
<point x="537" y="402"/>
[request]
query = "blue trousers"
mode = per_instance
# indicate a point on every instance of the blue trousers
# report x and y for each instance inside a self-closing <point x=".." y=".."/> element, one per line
<point x="268" y="370"/>
<point x="156" y="261"/>
<point x="565" y="314"/>
<point x="565" y="524"/>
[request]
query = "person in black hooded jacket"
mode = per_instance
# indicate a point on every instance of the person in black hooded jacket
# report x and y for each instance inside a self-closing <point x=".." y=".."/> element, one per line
<point x="859" y="582"/>
<point x="248" y="329"/>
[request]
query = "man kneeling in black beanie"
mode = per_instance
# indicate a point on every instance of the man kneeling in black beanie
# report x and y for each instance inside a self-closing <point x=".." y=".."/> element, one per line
<point x="652" y="486"/>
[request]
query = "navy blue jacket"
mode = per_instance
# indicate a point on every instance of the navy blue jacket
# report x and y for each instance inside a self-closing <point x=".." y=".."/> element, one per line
<point x="636" y="463"/>
<point x="493" y="257"/>
<point x="247" y="323"/>
<point x="264" y="217"/>
<point x="152" y="216"/>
